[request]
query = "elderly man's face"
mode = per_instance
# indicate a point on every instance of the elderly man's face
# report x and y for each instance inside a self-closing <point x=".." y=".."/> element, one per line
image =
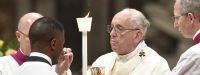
<point x="22" y="36"/>
<point x="122" y="40"/>
<point x="23" y="30"/>
<point x="24" y="41"/>
<point x="181" y="22"/>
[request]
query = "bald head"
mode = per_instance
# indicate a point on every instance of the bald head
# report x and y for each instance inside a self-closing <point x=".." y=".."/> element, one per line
<point x="23" y="29"/>
<point x="26" y="21"/>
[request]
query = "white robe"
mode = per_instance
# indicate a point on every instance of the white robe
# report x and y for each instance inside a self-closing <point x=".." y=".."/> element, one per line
<point x="189" y="62"/>
<point x="36" y="67"/>
<point x="150" y="64"/>
<point x="8" y="65"/>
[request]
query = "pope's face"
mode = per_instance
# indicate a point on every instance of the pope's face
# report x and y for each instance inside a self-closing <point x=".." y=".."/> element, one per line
<point x="122" y="40"/>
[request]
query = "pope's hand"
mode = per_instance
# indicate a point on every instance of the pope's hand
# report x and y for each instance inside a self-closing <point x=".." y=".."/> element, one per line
<point x="64" y="61"/>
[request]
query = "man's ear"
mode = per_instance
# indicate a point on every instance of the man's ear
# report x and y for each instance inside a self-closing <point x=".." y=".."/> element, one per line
<point x="17" y="33"/>
<point x="139" y="36"/>
<point x="53" y="43"/>
<point x="191" y="17"/>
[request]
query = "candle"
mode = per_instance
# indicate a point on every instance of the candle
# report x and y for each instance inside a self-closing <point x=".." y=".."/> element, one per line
<point x="84" y="26"/>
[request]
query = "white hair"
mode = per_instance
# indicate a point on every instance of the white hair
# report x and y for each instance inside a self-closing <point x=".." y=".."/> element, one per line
<point x="192" y="6"/>
<point x="138" y="19"/>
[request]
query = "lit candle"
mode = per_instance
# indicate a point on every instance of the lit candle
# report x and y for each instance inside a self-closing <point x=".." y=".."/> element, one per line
<point x="84" y="26"/>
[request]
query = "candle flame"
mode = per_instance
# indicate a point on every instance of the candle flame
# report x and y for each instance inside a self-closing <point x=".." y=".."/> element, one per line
<point x="87" y="15"/>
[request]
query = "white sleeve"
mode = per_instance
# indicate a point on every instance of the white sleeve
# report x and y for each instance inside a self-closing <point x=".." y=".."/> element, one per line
<point x="69" y="72"/>
<point x="188" y="65"/>
<point x="1" y="68"/>
<point x="1" y="72"/>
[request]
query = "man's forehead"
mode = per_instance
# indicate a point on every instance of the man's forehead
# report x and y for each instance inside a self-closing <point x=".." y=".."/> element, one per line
<point x="124" y="13"/>
<point x="176" y="7"/>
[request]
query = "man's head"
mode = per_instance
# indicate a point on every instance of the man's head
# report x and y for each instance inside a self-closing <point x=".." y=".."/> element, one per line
<point x="47" y="36"/>
<point x="186" y="17"/>
<point x="23" y="30"/>
<point x="128" y="28"/>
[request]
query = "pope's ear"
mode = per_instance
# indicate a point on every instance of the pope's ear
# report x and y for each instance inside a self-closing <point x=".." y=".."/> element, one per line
<point x="53" y="43"/>
<point x="138" y="36"/>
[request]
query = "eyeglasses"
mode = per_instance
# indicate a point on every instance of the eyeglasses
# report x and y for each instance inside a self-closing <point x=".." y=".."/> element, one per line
<point x="118" y="29"/>
<point x="176" y="18"/>
<point x="23" y="33"/>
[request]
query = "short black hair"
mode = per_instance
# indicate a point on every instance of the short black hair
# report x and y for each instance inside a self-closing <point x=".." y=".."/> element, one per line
<point x="43" y="30"/>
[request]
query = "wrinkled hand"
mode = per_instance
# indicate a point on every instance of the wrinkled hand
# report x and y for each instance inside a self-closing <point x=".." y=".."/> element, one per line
<point x="64" y="62"/>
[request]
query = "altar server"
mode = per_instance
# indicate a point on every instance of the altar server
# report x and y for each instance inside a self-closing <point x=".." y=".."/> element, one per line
<point x="9" y="64"/>
<point x="46" y="40"/>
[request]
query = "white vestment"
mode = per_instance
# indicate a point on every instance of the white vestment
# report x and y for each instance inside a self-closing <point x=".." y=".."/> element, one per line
<point x="8" y="65"/>
<point x="150" y="64"/>
<point x="36" y="67"/>
<point x="189" y="62"/>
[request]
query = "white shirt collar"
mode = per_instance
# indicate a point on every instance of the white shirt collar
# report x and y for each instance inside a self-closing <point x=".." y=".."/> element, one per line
<point x="128" y="56"/>
<point x="196" y="34"/>
<point x="41" y="55"/>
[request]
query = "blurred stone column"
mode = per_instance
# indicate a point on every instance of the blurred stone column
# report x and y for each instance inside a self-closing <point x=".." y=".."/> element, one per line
<point x="119" y="5"/>
<point x="23" y="6"/>
<point x="46" y="7"/>
<point x="98" y="38"/>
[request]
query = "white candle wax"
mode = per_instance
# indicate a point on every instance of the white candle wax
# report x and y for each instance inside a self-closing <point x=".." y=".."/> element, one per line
<point x="84" y="52"/>
<point x="84" y="26"/>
